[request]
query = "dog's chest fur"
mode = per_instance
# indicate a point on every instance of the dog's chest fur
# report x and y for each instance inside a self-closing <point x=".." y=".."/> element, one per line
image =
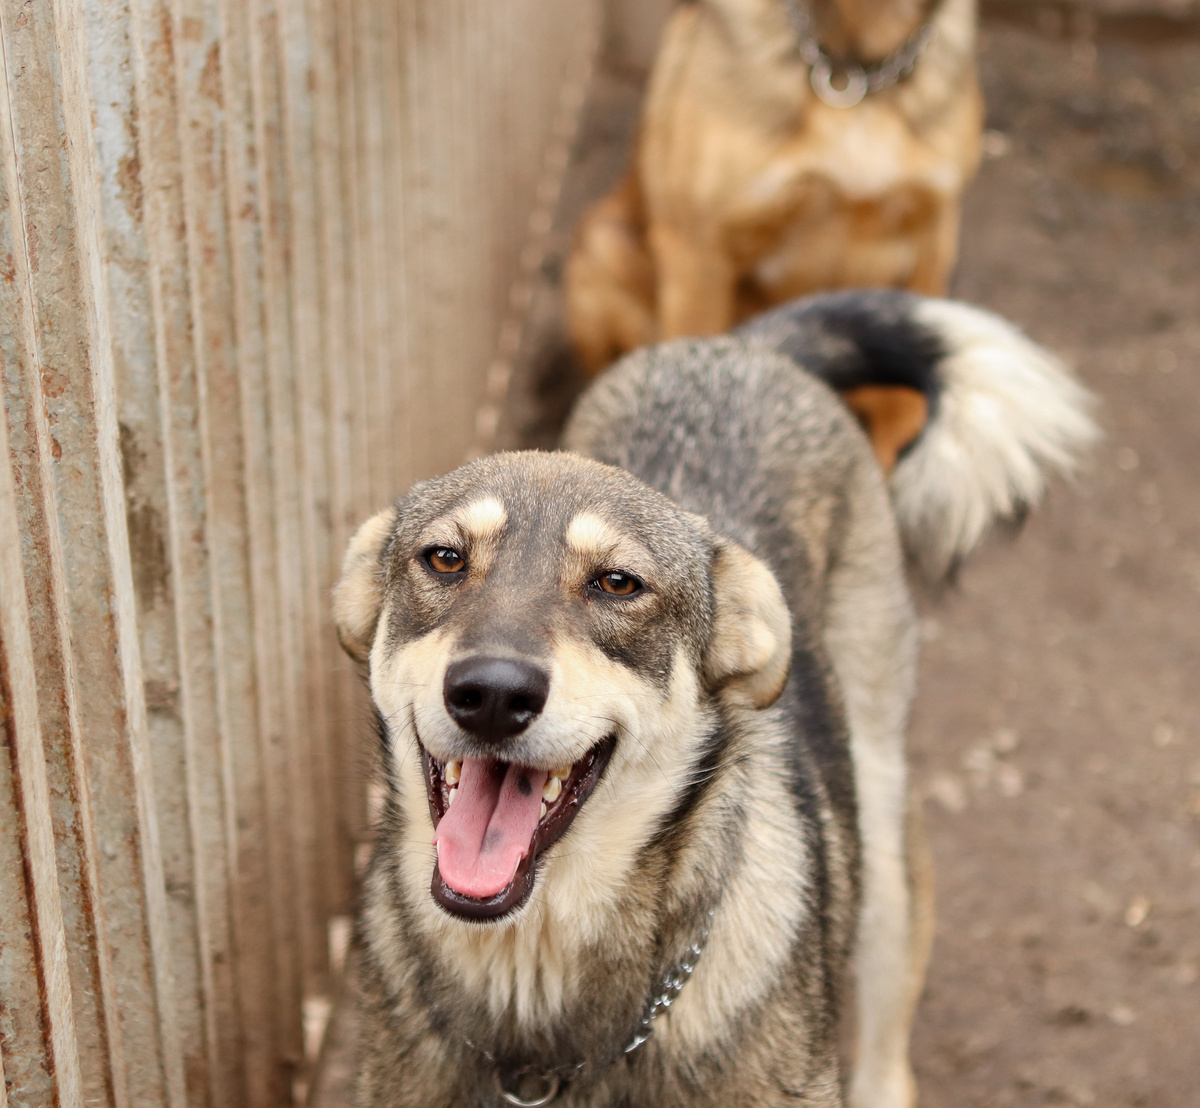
<point x="761" y="978"/>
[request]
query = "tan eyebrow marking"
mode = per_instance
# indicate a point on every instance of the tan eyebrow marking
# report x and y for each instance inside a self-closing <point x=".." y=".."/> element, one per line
<point x="592" y="537"/>
<point x="475" y="529"/>
<point x="481" y="521"/>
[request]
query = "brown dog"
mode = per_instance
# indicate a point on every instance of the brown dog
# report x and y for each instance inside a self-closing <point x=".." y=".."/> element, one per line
<point x="786" y="146"/>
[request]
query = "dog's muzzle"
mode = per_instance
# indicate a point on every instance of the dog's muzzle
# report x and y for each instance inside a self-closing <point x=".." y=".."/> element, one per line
<point x="493" y="818"/>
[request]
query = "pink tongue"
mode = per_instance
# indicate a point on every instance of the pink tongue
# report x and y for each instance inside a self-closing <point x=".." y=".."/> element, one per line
<point x="483" y="837"/>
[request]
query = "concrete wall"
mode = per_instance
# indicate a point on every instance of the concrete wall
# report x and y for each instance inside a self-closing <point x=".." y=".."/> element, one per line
<point x="262" y="263"/>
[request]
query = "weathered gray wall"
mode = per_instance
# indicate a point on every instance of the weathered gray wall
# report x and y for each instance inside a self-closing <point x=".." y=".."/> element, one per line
<point x="262" y="263"/>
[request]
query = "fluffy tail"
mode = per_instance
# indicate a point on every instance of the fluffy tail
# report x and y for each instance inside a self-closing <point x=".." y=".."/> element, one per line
<point x="1002" y="411"/>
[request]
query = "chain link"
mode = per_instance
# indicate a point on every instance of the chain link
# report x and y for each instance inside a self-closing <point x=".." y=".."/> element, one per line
<point x="670" y="987"/>
<point x="861" y="80"/>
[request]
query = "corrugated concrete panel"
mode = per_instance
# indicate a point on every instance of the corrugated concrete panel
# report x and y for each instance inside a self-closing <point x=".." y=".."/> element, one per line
<point x="262" y="264"/>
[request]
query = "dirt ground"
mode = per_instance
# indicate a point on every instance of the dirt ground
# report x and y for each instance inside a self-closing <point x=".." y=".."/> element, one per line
<point x="1056" y="736"/>
<point x="1057" y="730"/>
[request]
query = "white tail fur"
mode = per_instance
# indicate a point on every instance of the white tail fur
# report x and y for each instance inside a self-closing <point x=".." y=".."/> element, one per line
<point x="1008" y="412"/>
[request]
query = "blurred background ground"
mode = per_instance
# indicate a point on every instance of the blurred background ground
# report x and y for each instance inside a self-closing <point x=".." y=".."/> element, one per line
<point x="1056" y="736"/>
<point x="1057" y="731"/>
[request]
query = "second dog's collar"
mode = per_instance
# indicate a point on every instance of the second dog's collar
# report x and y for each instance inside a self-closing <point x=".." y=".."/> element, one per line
<point x="861" y="80"/>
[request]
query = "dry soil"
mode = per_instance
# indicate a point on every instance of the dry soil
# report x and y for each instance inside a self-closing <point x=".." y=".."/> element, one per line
<point x="1056" y="735"/>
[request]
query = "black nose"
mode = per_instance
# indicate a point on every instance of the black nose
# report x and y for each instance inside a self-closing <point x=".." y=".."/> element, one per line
<point x="495" y="697"/>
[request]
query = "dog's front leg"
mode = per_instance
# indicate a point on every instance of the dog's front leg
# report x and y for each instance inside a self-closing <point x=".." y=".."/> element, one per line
<point x="696" y="281"/>
<point x="938" y="250"/>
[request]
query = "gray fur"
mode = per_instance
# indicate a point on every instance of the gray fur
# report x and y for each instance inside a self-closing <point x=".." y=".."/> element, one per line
<point x="412" y="1012"/>
<point x="786" y="822"/>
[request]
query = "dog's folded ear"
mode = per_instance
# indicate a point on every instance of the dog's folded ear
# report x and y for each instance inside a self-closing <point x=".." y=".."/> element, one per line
<point x="749" y="654"/>
<point x="358" y="595"/>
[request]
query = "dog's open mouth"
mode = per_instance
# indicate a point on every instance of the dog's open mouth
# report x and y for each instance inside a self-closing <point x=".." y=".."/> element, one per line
<point x="492" y="819"/>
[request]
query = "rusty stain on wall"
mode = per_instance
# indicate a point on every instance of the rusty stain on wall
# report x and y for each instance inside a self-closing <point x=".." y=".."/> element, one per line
<point x="260" y="260"/>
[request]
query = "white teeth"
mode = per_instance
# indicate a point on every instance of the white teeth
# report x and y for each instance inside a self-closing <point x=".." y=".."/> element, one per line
<point x="543" y="815"/>
<point x="552" y="789"/>
<point x="453" y="771"/>
<point x="450" y="798"/>
<point x="562" y="773"/>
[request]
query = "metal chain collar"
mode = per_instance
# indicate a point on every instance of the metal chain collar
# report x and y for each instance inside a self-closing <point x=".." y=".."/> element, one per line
<point x="670" y="986"/>
<point x="861" y="80"/>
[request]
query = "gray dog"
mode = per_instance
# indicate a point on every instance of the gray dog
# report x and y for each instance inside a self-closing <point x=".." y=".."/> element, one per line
<point x="642" y="709"/>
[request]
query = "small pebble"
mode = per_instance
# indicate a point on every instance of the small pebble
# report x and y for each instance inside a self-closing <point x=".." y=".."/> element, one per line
<point x="1138" y="910"/>
<point x="996" y="144"/>
<point x="1127" y="459"/>
<point x="948" y="791"/>
<point x="1005" y="741"/>
<point x="1122" y="1016"/>
<point x="1010" y="781"/>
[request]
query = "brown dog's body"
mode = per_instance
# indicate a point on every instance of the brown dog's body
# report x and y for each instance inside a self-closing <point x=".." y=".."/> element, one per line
<point x="747" y="190"/>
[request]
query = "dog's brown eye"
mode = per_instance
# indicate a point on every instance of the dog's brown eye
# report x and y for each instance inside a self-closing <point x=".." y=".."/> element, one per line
<point x="618" y="584"/>
<point x="443" y="559"/>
